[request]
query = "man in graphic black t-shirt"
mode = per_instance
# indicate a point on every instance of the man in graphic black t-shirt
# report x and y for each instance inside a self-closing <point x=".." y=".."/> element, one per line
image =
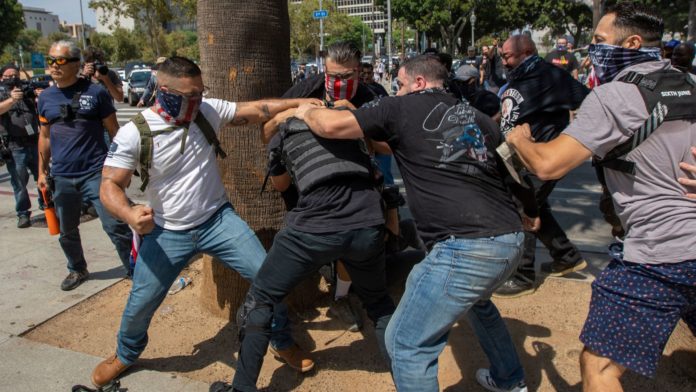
<point x="465" y="214"/>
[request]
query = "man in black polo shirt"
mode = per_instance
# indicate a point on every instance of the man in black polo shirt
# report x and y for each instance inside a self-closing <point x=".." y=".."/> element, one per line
<point x="465" y="214"/>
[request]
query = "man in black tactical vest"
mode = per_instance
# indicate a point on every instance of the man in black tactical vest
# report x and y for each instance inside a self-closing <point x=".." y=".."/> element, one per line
<point x="337" y="217"/>
<point x="19" y="130"/>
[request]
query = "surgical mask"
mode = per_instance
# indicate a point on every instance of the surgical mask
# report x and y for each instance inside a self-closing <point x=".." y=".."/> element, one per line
<point x="609" y="60"/>
<point x="177" y="109"/>
<point x="337" y="88"/>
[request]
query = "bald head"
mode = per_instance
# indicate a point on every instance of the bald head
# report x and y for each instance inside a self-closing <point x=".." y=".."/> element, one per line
<point x="516" y="49"/>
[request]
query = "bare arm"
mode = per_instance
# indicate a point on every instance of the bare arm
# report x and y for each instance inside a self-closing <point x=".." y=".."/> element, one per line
<point x="689" y="181"/>
<point x="256" y="112"/>
<point x="115" y="91"/>
<point x="44" y="154"/>
<point x="549" y="161"/>
<point x="111" y="124"/>
<point x="282" y="182"/>
<point x="112" y="194"/>
<point x="380" y="147"/>
<point x="270" y="127"/>
<point x="330" y="124"/>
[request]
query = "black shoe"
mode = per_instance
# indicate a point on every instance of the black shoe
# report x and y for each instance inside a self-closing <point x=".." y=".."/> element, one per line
<point x="220" y="386"/>
<point x="23" y="221"/>
<point x="516" y="286"/>
<point x="73" y="280"/>
<point x="559" y="268"/>
<point x="346" y="311"/>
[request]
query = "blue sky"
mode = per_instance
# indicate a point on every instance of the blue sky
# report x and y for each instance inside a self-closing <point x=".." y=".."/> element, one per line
<point x="68" y="10"/>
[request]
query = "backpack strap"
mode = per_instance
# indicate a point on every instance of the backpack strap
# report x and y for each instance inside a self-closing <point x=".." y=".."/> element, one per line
<point x="209" y="134"/>
<point x="145" y="149"/>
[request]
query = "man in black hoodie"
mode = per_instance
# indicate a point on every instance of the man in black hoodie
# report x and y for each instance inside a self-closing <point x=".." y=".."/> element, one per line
<point x="542" y="95"/>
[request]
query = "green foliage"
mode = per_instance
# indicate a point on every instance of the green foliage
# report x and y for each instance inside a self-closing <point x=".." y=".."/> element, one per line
<point x="563" y="16"/>
<point x="12" y="19"/>
<point x="304" y="30"/>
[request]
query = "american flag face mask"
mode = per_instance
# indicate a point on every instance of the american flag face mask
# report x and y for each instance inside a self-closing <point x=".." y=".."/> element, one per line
<point x="177" y="109"/>
<point x="338" y="88"/>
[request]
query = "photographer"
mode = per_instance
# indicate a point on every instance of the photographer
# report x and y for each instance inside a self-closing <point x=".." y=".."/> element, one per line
<point x="96" y="70"/>
<point x="18" y="138"/>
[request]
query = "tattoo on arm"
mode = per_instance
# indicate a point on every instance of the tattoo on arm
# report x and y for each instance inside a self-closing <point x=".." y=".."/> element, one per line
<point x="266" y="112"/>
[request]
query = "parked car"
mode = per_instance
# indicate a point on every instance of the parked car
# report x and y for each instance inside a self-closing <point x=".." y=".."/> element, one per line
<point x="136" y="85"/>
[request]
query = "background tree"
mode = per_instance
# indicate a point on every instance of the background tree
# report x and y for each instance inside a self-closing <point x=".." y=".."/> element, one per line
<point x="12" y="19"/>
<point x="561" y="16"/>
<point x="245" y="55"/>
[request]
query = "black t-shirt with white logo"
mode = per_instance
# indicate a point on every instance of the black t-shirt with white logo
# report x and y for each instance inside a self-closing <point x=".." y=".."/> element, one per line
<point x="445" y="150"/>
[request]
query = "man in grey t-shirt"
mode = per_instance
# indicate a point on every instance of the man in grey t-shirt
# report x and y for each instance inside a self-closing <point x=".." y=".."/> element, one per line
<point x="638" y="300"/>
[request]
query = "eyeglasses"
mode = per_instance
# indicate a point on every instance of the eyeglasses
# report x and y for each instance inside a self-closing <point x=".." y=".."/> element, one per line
<point x="50" y="60"/>
<point x="203" y="93"/>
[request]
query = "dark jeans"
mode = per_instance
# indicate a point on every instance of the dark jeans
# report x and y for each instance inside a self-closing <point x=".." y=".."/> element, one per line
<point x="550" y="234"/>
<point x="25" y="161"/>
<point x="294" y="256"/>
<point x="68" y="196"/>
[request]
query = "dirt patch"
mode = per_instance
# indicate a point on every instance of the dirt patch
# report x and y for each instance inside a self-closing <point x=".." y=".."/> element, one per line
<point x="186" y="341"/>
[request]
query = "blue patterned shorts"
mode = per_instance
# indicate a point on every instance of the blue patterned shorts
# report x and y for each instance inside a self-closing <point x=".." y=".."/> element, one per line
<point x="635" y="308"/>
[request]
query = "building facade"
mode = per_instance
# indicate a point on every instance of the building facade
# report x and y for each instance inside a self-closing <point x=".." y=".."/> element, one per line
<point x="41" y="20"/>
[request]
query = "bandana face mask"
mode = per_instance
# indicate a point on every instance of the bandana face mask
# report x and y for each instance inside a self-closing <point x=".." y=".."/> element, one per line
<point x="339" y="88"/>
<point x="609" y="60"/>
<point x="177" y="109"/>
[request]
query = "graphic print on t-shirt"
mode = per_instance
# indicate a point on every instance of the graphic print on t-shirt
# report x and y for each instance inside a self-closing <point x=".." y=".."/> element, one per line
<point x="457" y="134"/>
<point x="510" y="109"/>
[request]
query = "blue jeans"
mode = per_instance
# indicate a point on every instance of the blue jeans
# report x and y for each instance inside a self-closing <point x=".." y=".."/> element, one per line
<point x="68" y="197"/>
<point x="164" y="253"/>
<point x="457" y="277"/>
<point x="385" y="164"/>
<point x="24" y="162"/>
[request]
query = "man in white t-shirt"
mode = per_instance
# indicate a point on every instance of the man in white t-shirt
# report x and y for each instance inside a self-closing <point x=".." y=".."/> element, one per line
<point x="188" y="211"/>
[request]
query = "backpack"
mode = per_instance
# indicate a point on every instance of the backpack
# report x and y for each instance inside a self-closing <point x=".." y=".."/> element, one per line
<point x="146" y="147"/>
<point x="669" y="95"/>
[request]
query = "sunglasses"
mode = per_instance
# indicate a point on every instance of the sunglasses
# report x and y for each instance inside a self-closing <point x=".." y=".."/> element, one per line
<point x="50" y="60"/>
<point x="345" y="75"/>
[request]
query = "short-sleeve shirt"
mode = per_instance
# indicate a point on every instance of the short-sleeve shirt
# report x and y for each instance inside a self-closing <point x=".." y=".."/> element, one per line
<point x="564" y="60"/>
<point x="77" y="146"/>
<point x="446" y="156"/>
<point x="660" y="221"/>
<point x="184" y="190"/>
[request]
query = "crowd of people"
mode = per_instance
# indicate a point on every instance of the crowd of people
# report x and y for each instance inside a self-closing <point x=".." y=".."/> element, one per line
<point x="480" y="148"/>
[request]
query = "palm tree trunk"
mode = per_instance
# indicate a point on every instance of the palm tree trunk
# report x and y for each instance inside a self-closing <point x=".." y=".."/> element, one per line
<point x="245" y="55"/>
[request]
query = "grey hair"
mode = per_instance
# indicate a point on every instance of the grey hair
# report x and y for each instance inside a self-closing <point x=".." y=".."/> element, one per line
<point x="73" y="50"/>
<point x="343" y="53"/>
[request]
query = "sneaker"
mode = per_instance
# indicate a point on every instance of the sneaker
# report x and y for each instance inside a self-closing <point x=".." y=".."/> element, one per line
<point x="23" y="221"/>
<point x="346" y="311"/>
<point x="73" y="280"/>
<point x="483" y="376"/>
<point x="295" y="357"/>
<point x="559" y="268"/>
<point x="516" y="286"/>
<point x="107" y="371"/>
<point x="221" y="386"/>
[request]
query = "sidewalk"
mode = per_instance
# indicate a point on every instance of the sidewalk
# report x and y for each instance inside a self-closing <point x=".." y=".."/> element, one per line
<point x="33" y="266"/>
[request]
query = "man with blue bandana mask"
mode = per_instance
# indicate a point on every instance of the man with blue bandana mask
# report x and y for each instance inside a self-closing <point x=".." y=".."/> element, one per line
<point x="562" y="58"/>
<point x="639" y="124"/>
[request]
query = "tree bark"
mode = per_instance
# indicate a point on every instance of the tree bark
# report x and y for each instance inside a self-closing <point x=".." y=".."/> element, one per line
<point x="245" y="55"/>
<point x="597" y="11"/>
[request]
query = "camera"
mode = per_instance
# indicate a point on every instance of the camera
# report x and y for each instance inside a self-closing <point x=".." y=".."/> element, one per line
<point x="26" y="87"/>
<point x="101" y="67"/>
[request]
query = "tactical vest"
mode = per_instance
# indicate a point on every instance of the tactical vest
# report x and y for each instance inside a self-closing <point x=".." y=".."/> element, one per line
<point x="312" y="160"/>
<point x="669" y="95"/>
<point x="71" y="112"/>
<point x="146" y="146"/>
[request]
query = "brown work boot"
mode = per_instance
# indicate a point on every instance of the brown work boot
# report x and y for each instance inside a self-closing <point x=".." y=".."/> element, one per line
<point x="295" y="357"/>
<point x="107" y="371"/>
